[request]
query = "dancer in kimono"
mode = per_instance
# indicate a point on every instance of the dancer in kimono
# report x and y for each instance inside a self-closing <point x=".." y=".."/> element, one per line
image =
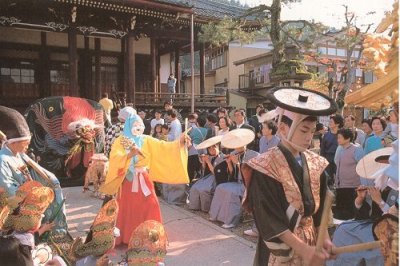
<point x="286" y="185"/>
<point x="16" y="167"/>
<point x="226" y="203"/>
<point x="201" y="193"/>
<point x="135" y="162"/>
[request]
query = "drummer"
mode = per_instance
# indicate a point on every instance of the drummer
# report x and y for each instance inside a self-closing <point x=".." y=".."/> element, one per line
<point x="286" y="184"/>
<point x="201" y="193"/>
<point x="370" y="204"/>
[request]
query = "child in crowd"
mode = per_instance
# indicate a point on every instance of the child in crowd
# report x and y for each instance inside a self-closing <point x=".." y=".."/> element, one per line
<point x="164" y="132"/>
<point x="158" y="131"/>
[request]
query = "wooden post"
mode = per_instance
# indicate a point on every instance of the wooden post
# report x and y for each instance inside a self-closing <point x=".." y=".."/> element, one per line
<point x="44" y="68"/>
<point x="153" y="52"/>
<point x="202" y="69"/>
<point x="131" y="68"/>
<point x="88" y="88"/>
<point x="158" y="59"/>
<point x="97" y="69"/>
<point x="121" y="67"/>
<point x="125" y="62"/>
<point x="192" y="59"/>
<point x="73" y="62"/>
<point x="177" y="70"/>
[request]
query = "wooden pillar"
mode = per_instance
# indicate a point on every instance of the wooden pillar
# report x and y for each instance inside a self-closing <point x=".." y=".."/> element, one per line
<point x="131" y="68"/>
<point x="44" y="68"/>
<point x="192" y="61"/>
<point x="73" y="62"/>
<point x="87" y="83"/>
<point x="202" y="69"/>
<point x="177" y="70"/>
<point x="153" y="51"/>
<point x="158" y="61"/>
<point x="121" y="67"/>
<point x="124" y="51"/>
<point x="97" y="69"/>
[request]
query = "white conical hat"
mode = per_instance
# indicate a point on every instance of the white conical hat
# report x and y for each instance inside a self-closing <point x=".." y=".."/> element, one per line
<point x="370" y="167"/>
<point x="209" y="142"/>
<point x="237" y="138"/>
<point x="302" y="101"/>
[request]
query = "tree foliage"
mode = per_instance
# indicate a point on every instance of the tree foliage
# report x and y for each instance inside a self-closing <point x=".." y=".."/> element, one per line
<point x="303" y="34"/>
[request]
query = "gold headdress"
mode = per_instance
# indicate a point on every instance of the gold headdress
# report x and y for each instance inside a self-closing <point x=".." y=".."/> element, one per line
<point x="102" y="233"/>
<point x="28" y="215"/>
<point x="148" y="244"/>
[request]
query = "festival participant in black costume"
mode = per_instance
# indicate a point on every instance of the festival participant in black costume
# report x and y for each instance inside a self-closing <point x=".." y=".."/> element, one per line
<point x="286" y="186"/>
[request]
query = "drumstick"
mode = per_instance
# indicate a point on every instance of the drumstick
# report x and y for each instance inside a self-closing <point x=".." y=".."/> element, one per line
<point x="356" y="247"/>
<point x="323" y="227"/>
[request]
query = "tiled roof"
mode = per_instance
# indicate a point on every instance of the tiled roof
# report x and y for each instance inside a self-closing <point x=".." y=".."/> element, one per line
<point x="209" y="8"/>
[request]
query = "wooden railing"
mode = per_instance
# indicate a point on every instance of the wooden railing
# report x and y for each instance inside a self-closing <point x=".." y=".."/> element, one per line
<point x="247" y="82"/>
<point x="180" y="99"/>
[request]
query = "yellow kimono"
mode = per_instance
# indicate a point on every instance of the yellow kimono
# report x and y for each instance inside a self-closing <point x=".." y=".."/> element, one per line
<point x="166" y="161"/>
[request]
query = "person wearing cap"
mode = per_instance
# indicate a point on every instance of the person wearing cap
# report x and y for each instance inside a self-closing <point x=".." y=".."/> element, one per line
<point x="136" y="161"/>
<point x="201" y="193"/>
<point x="114" y="131"/>
<point x="16" y="168"/>
<point x="286" y="185"/>
<point x="226" y="203"/>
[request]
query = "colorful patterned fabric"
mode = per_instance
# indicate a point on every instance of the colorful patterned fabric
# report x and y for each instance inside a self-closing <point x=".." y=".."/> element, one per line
<point x="148" y="244"/>
<point x="112" y="133"/>
<point x="48" y="120"/>
<point x="386" y="229"/>
<point x="101" y="236"/>
<point x="28" y="214"/>
<point x="274" y="164"/>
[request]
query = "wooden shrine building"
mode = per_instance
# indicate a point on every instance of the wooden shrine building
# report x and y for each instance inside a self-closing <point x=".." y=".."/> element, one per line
<point x="87" y="47"/>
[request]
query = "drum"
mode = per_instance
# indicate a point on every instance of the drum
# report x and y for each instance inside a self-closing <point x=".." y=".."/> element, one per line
<point x="42" y="254"/>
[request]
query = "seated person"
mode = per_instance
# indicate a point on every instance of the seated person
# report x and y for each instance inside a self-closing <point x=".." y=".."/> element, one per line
<point x="226" y="205"/>
<point x="16" y="168"/>
<point x="201" y="193"/>
<point x="370" y="204"/>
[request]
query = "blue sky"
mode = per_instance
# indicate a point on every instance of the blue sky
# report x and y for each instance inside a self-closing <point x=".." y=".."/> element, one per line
<point x="331" y="12"/>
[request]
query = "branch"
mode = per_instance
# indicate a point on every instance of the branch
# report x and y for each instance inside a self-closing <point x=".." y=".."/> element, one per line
<point x="317" y="59"/>
<point x="257" y="10"/>
<point x="348" y="21"/>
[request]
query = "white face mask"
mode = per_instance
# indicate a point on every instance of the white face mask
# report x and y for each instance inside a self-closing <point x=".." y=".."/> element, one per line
<point x="137" y="128"/>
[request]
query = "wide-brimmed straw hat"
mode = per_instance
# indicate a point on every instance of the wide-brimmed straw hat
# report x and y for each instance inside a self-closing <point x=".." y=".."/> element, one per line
<point x="302" y="101"/>
<point x="209" y="142"/>
<point x="237" y="138"/>
<point x="270" y="115"/>
<point x="372" y="165"/>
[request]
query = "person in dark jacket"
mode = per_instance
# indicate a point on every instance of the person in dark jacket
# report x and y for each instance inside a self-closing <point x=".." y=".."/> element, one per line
<point x="329" y="144"/>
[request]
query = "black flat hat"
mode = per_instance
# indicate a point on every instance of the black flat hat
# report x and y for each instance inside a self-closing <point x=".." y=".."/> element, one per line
<point x="302" y="101"/>
<point x="13" y="124"/>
